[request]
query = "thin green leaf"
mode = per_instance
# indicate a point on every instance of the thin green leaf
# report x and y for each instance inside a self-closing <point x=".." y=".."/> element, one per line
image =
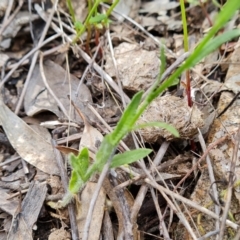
<point x="78" y="26"/>
<point x="73" y="186"/>
<point x="103" y="154"/>
<point x="163" y="125"/>
<point x="227" y="11"/>
<point x="215" y="43"/>
<point x="163" y="61"/>
<point x="126" y="121"/>
<point x="80" y="163"/>
<point x="97" y="19"/>
<point x="70" y="8"/>
<point x="129" y="157"/>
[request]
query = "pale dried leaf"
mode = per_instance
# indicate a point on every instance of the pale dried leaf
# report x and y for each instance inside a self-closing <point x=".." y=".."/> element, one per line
<point x="127" y="8"/>
<point x="158" y="6"/>
<point x="21" y="19"/>
<point x="3" y="58"/>
<point x="38" y="99"/>
<point x="97" y="217"/>
<point x="30" y="209"/>
<point x="233" y="84"/>
<point x="8" y="206"/>
<point x="80" y="9"/>
<point x="32" y="147"/>
<point x="19" y="174"/>
<point x="91" y="137"/>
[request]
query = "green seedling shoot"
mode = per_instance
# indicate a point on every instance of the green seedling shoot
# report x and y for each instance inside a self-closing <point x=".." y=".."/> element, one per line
<point x="94" y="19"/>
<point x="82" y="170"/>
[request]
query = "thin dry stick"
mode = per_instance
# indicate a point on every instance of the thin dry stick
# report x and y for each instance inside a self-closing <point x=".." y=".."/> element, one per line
<point x="211" y="175"/>
<point x="174" y="206"/>
<point x="48" y="87"/>
<point x="23" y="59"/>
<point x="64" y="179"/>
<point x="169" y="163"/>
<point x="85" y="56"/>
<point x="121" y="93"/>
<point x="9" y="161"/>
<point x="209" y="234"/>
<point x="143" y="190"/>
<point x="7" y="20"/>
<point x="169" y="70"/>
<point x="190" y="203"/>
<point x="87" y="69"/>
<point x="200" y="159"/>
<point x="143" y="30"/>
<point x="34" y="60"/>
<point x="95" y="196"/>
<point x="230" y="184"/>
<point x="162" y="224"/>
<point x="8" y="10"/>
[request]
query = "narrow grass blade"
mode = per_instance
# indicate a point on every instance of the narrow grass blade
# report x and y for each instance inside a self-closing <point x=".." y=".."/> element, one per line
<point x="163" y="125"/>
<point x="129" y="157"/>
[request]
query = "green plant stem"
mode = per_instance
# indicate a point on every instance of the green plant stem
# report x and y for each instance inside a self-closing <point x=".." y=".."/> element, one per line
<point x="86" y="23"/>
<point x="69" y="4"/>
<point x="193" y="58"/>
<point x="186" y="47"/>
<point x="184" y="21"/>
<point x="109" y="11"/>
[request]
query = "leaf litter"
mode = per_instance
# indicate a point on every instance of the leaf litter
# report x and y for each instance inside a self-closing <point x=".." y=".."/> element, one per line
<point x="133" y="64"/>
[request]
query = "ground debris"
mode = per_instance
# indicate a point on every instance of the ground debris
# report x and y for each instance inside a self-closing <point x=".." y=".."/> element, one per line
<point x="172" y="110"/>
<point x="137" y="68"/>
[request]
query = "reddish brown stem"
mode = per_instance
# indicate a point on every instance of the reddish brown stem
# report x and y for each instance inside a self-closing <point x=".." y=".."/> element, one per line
<point x="188" y="89"/>
<point x="100" y="53"/>
<point x="205" y="12"/>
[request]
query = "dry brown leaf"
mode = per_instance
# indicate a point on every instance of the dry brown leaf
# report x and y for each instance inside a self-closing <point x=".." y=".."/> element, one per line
<point x="38" y="99"/>
<point x="158" y="6"/>
<point x="107" y="228"/>
<point x="19" y="174"/>
<point x="91" y="137"/>
<point x="128" y="8"/>
<point x="8" y="206"/>
<point x="67" y="150"/>
<point x="21" y="19"/>
<point x="22" y="226"/>
<point x="31" y="146"/>
<point x="3" y="58"/>
<point x="97" y="217"/>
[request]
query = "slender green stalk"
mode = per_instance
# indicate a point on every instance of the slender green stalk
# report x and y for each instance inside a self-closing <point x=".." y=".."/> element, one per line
<point x="185" y="37"/>
<point x="109" y="11"/>
<point x="69" y="4"/>
<point x="184" y="21"/>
